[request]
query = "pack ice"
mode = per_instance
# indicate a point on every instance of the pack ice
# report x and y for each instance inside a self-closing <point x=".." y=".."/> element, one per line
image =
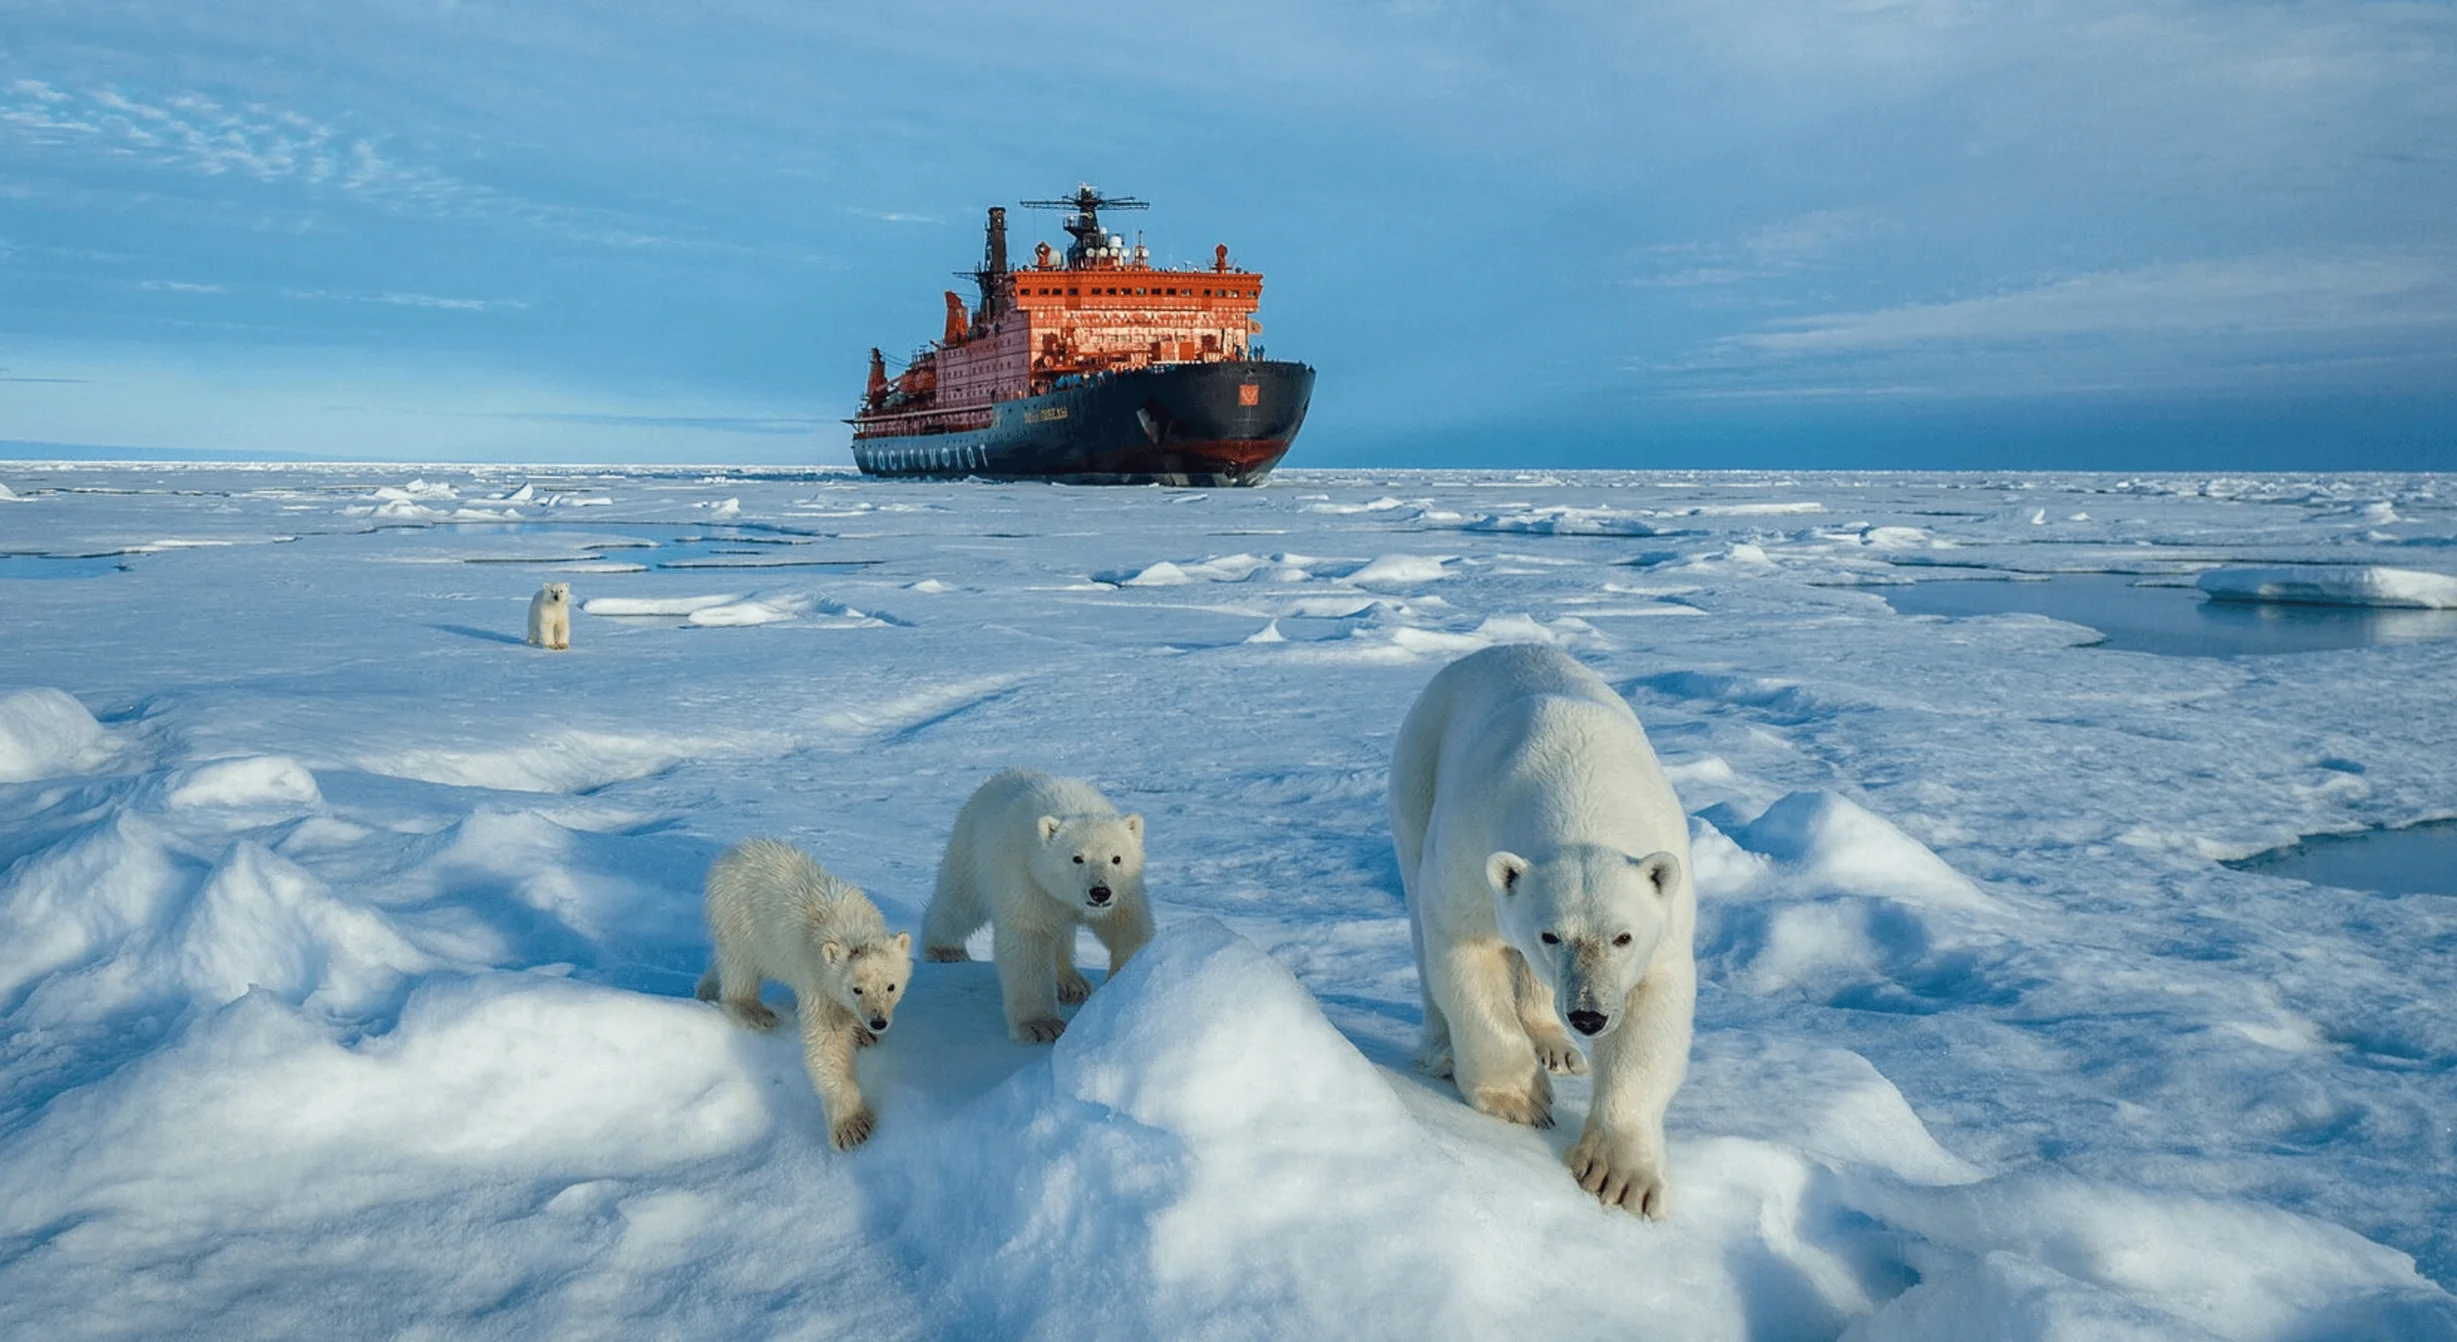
<point x="346" y="946"/>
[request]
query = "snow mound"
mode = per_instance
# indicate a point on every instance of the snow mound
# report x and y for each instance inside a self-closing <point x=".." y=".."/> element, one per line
<point x="1167" y="573"/>
<point x="2334" y="585"/>
<point x="415" y="490"/>
<point x="739" y="614"/>
<point x="2056" y="1257"/>
<point x="8" y="495"/>
<point x="1563" y="521"/>
<point x="1830" y="843"/>
<point x="1401" y="571"/>
<point x="46" y="733"/>
<point x="656" y="605"/>
<point x="567" y="760"/>
<point x="1380" y="505"/>
<point x="257" y="780"/>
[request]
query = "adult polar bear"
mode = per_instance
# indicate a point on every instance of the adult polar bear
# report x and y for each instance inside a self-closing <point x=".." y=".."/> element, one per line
<point x="1546" y="859"/>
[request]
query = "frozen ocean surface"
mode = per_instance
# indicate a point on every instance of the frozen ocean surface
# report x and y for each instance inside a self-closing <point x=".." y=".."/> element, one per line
<point x="346" y="942"/>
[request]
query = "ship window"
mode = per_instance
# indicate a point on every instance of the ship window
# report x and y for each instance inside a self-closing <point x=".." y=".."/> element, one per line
<point x="1070" y="293"/>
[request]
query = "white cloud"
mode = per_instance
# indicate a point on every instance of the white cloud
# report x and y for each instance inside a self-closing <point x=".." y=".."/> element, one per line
<point x="408" y="300"/>
<point x="2402" y="293"/>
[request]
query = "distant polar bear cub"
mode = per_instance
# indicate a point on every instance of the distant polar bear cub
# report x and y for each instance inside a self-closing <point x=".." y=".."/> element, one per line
<point x="1546" y="861"/>
<point x="1036" y="857"/>
<point x="550" y="616"/>
<point x="775" y="914"/>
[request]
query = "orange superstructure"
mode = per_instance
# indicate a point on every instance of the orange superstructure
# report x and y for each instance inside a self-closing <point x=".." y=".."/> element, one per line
<point x="1101" y="307"/>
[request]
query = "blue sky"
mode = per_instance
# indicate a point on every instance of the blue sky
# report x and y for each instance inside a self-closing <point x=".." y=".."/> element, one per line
<point x="1656" y="232"/>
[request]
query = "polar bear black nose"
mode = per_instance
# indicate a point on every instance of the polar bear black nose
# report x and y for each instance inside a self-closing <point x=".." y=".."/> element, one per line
<point x="1099" y="894"/>
<point x="1587" y="1022"/>
<point x="878" y="1024"/>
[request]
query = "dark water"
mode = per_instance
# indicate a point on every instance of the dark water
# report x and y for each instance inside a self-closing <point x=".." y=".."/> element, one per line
<point x="2174" y="621"/>
<point x="2417" y="860"/>
<point x="53" y="566"/>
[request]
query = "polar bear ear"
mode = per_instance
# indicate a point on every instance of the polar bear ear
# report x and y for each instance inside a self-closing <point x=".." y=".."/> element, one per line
<point x="1049" y="827"/>
<point x="1504" y="870"/>
<point x="1662" y="870"/>
<point x="904" y="943"/>
<point x="833" y="952"/>
<point x="1134" y="826"/>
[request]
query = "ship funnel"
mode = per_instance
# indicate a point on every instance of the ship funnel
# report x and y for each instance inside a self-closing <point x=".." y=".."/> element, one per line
<point x="997" y="286"/>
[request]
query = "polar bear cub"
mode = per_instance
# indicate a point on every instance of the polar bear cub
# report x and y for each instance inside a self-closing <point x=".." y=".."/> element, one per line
<point x="550" y="616"/>
<point x="775" y="914"/>
<point x="1546" y="863"/>
<point x="1036" y="857"/>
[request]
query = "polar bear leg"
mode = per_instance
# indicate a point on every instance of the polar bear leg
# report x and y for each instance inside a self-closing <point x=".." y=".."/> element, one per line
<point x="956" y="910"/>
<point x="1026" y="951"/>
<point x="732" y="982"/>
<point x="1493" y="1065"/>
<point x="1621" y="1156"/>
<point x="827" y="1050"/>
<point x="1124" y="933"/>
<point x="1539" y="1016"/>
<point x="1072" y="985"/>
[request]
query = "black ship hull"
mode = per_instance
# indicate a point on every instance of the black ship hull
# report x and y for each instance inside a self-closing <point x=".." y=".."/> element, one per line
<point x="1179" y="424"/>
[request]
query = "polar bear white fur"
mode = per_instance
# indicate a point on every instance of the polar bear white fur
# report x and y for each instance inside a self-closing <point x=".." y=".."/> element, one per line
<point x="550" y="616"/>
<point x="1546" y="862"/>
<point x="1036" y="857"/>
<point x="773" y="913"/>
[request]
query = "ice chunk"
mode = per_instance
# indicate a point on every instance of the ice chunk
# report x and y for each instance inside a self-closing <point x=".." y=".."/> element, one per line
<point x="260" y="780"/>
<point x="765" y="610"/>
<point x="655" y="605"/>
<point x="45" y="733"/>
<point x="2334" y="585"/>
<point x="1401" y="571"/>
<point x="1834" y="844"/>
<point x="1563" y="521"/>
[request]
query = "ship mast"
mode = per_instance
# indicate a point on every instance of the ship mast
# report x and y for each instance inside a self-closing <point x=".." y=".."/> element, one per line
<point x="997" y="283"/>
<point x="1084" y="224"/>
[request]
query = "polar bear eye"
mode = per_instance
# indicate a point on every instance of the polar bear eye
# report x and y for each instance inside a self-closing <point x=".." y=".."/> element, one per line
<point x="1117" y="862"/>
<point x="1551" y="940"/>
<point x="857" y="992"/>
<point x="1621" y="940"/>
<point x="1079" y="859"/>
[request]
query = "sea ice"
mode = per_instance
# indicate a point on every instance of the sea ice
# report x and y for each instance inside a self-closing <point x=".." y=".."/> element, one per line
<point x="2334" y="585"/>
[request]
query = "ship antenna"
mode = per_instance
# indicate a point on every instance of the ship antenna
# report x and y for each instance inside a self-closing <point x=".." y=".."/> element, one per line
<point x="1085" y="223"/>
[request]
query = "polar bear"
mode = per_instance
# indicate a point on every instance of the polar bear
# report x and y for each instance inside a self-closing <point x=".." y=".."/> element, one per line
<point x="775" y="913"/>
<point x="1034" y="857"/>
<point x="550" y="616"/>
<point x="1546" y="863"/>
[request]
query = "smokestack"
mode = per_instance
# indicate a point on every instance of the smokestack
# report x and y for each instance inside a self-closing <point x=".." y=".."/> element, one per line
<point x="996" y="284"/>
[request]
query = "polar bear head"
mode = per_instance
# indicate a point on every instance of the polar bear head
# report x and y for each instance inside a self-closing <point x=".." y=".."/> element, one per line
<point x="1090" y="863"/>
<point x="556" y="593"/>
<point x="868" y="979"/>
<point x="1588" y="918"/>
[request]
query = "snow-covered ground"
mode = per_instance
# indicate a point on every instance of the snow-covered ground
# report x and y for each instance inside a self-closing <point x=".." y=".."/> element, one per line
<point x="346" y="943"/>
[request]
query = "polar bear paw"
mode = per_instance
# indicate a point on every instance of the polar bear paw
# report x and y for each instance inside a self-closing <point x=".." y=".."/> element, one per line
<point x="853" y="1129"/>
<point x="1531" y="1107"/>
<point x="755" y="1015"/>
<point x="1622" y="1174"/>
<point x="945" y="955"/>
<point x="1435" y="1062"/>
<point x="1043" y="1031"/>
<point x="862" y="1037"/>
<point x="1560" y="1056"/>
<point x="1073" y="988"/>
